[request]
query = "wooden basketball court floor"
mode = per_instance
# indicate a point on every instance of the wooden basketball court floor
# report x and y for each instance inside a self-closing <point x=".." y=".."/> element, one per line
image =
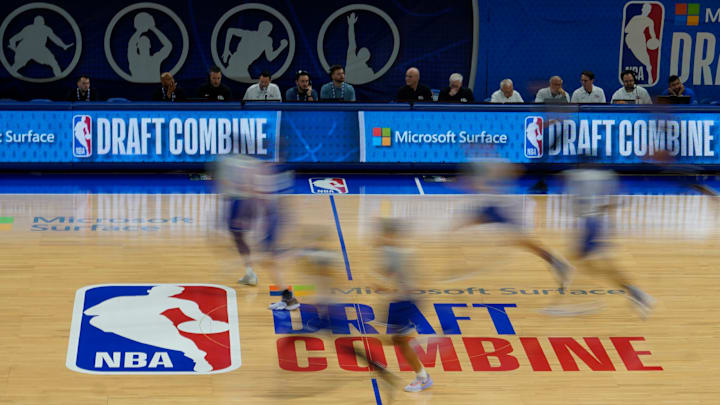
<point x="603" y="354"/>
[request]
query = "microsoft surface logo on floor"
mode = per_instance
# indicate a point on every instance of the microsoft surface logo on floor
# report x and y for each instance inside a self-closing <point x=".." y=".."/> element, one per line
<point x="381" y="137"/>
<point x="6" y="223"/>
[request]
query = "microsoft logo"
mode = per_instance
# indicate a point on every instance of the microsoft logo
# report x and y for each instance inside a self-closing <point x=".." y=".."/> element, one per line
<point x="381" y="137"/>
<point x="6" y="223"/>
<point x="687" y="14"/>
<point x="298" y="290"/>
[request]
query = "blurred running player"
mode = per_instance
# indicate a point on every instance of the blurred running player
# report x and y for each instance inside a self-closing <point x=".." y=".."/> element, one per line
<point x="251" y="188"/>
<point x="321" y="261"/>
<point x="395" y="265"/>
<point x="493" y="177"/>
<point x="591" y="188"/>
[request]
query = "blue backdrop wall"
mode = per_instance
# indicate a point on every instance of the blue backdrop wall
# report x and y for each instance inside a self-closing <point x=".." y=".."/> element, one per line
<point x="485" y="40"/>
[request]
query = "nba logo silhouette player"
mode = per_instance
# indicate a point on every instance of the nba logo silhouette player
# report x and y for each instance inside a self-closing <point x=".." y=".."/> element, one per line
<point x="533" y="137"/>
<point x="165" y="328"/>
<point x="641" y="39"/>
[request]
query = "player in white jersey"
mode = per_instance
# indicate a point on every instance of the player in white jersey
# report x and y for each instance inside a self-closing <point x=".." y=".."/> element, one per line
<point x="321" y="263"/>
<point x="251" y="187"/>
<point x="395" y="265"/>
<point x="591" y="189"/>
<point x="492" y="177"/>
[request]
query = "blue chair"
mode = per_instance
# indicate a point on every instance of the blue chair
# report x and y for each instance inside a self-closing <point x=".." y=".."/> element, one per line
<point x="118" y="100"/>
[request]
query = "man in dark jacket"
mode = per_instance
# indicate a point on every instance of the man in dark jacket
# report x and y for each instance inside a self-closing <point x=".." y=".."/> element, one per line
<point x="82" y="92"/>
<point x="456" y="93"/>
<point x="213" y="90"/>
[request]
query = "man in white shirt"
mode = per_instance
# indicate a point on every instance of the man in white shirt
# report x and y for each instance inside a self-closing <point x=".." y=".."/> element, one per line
<point x="263" y="90"/>
<point x="553" y="93"/>
<point x="506" y="94"/>
<point x="630" y="93"/>
<point x="588" y="93"/>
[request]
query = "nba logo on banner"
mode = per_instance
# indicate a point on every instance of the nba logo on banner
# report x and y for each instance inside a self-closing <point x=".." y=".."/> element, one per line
<point x="82" y="136"/>
<point x="154" y="329"/>
<point x="641" y="41"/>
<point x="533" y="137"/>
<point x="328" y="185"/>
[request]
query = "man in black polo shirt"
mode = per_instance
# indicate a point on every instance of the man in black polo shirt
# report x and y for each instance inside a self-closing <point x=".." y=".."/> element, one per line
<point x="413" y="90"/>
<point x="456" y="93"/>
<point x="213" y="90"/>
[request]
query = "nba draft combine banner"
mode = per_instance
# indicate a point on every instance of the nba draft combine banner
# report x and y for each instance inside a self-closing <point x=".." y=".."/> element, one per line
<point x="622" y="135"/>
<point x="136" y="136"/>
<point x="532" y="137"/>
<point x="154" y="329"/>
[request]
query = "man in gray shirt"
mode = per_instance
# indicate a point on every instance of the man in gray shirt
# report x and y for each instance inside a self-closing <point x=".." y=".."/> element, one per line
<point x="630" y="93"/>
<point x="263" y="90"/>
<point x="553" y="93"/>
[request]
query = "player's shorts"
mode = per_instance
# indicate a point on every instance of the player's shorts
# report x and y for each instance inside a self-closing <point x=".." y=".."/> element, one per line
<point x="591" y="238"/>
<point x="402" y="314"/>
<point x="242" y="213"/>
<point x="493" y="214"/>
<point x="271" y="224"/>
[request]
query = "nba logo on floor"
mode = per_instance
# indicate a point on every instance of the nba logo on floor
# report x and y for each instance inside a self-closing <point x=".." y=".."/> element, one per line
<point x="154" y="329"/>
<point x="533" y="137"/>
<point x="82" y="136"/>
<point x="641" y="41"/>
<point x="328" y="185"/>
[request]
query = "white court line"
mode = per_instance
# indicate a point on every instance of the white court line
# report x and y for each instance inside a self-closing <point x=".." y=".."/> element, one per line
<point x="419" y="186"/>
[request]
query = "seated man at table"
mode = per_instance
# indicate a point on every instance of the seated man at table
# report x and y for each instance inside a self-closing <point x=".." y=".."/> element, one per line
<point x="677" y="88"/>
<point x="214" y="90"/>
<point x="303" y="90"/>
<point x="82" y="92"/>
<point x="506" y="94"/>
<point x="337" y="89"/>
<point x="169" y="91"/>
<point x="456" y="93"/>
<point x="413" y="90"/>
<point x="554" y="93"/>
<point x="263" y="90"/>
<point x="630" y="93"/>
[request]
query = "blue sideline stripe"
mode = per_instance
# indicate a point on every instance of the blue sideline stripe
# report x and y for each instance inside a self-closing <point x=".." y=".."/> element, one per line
<point x="340" y="235"/>
<point x="378" y="399"/>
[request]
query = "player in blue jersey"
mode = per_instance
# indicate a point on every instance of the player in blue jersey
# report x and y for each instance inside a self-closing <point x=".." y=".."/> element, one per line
<point x="591" y="188"/>
<point x="251" y="187"/>
<point x="490" y="178"/>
